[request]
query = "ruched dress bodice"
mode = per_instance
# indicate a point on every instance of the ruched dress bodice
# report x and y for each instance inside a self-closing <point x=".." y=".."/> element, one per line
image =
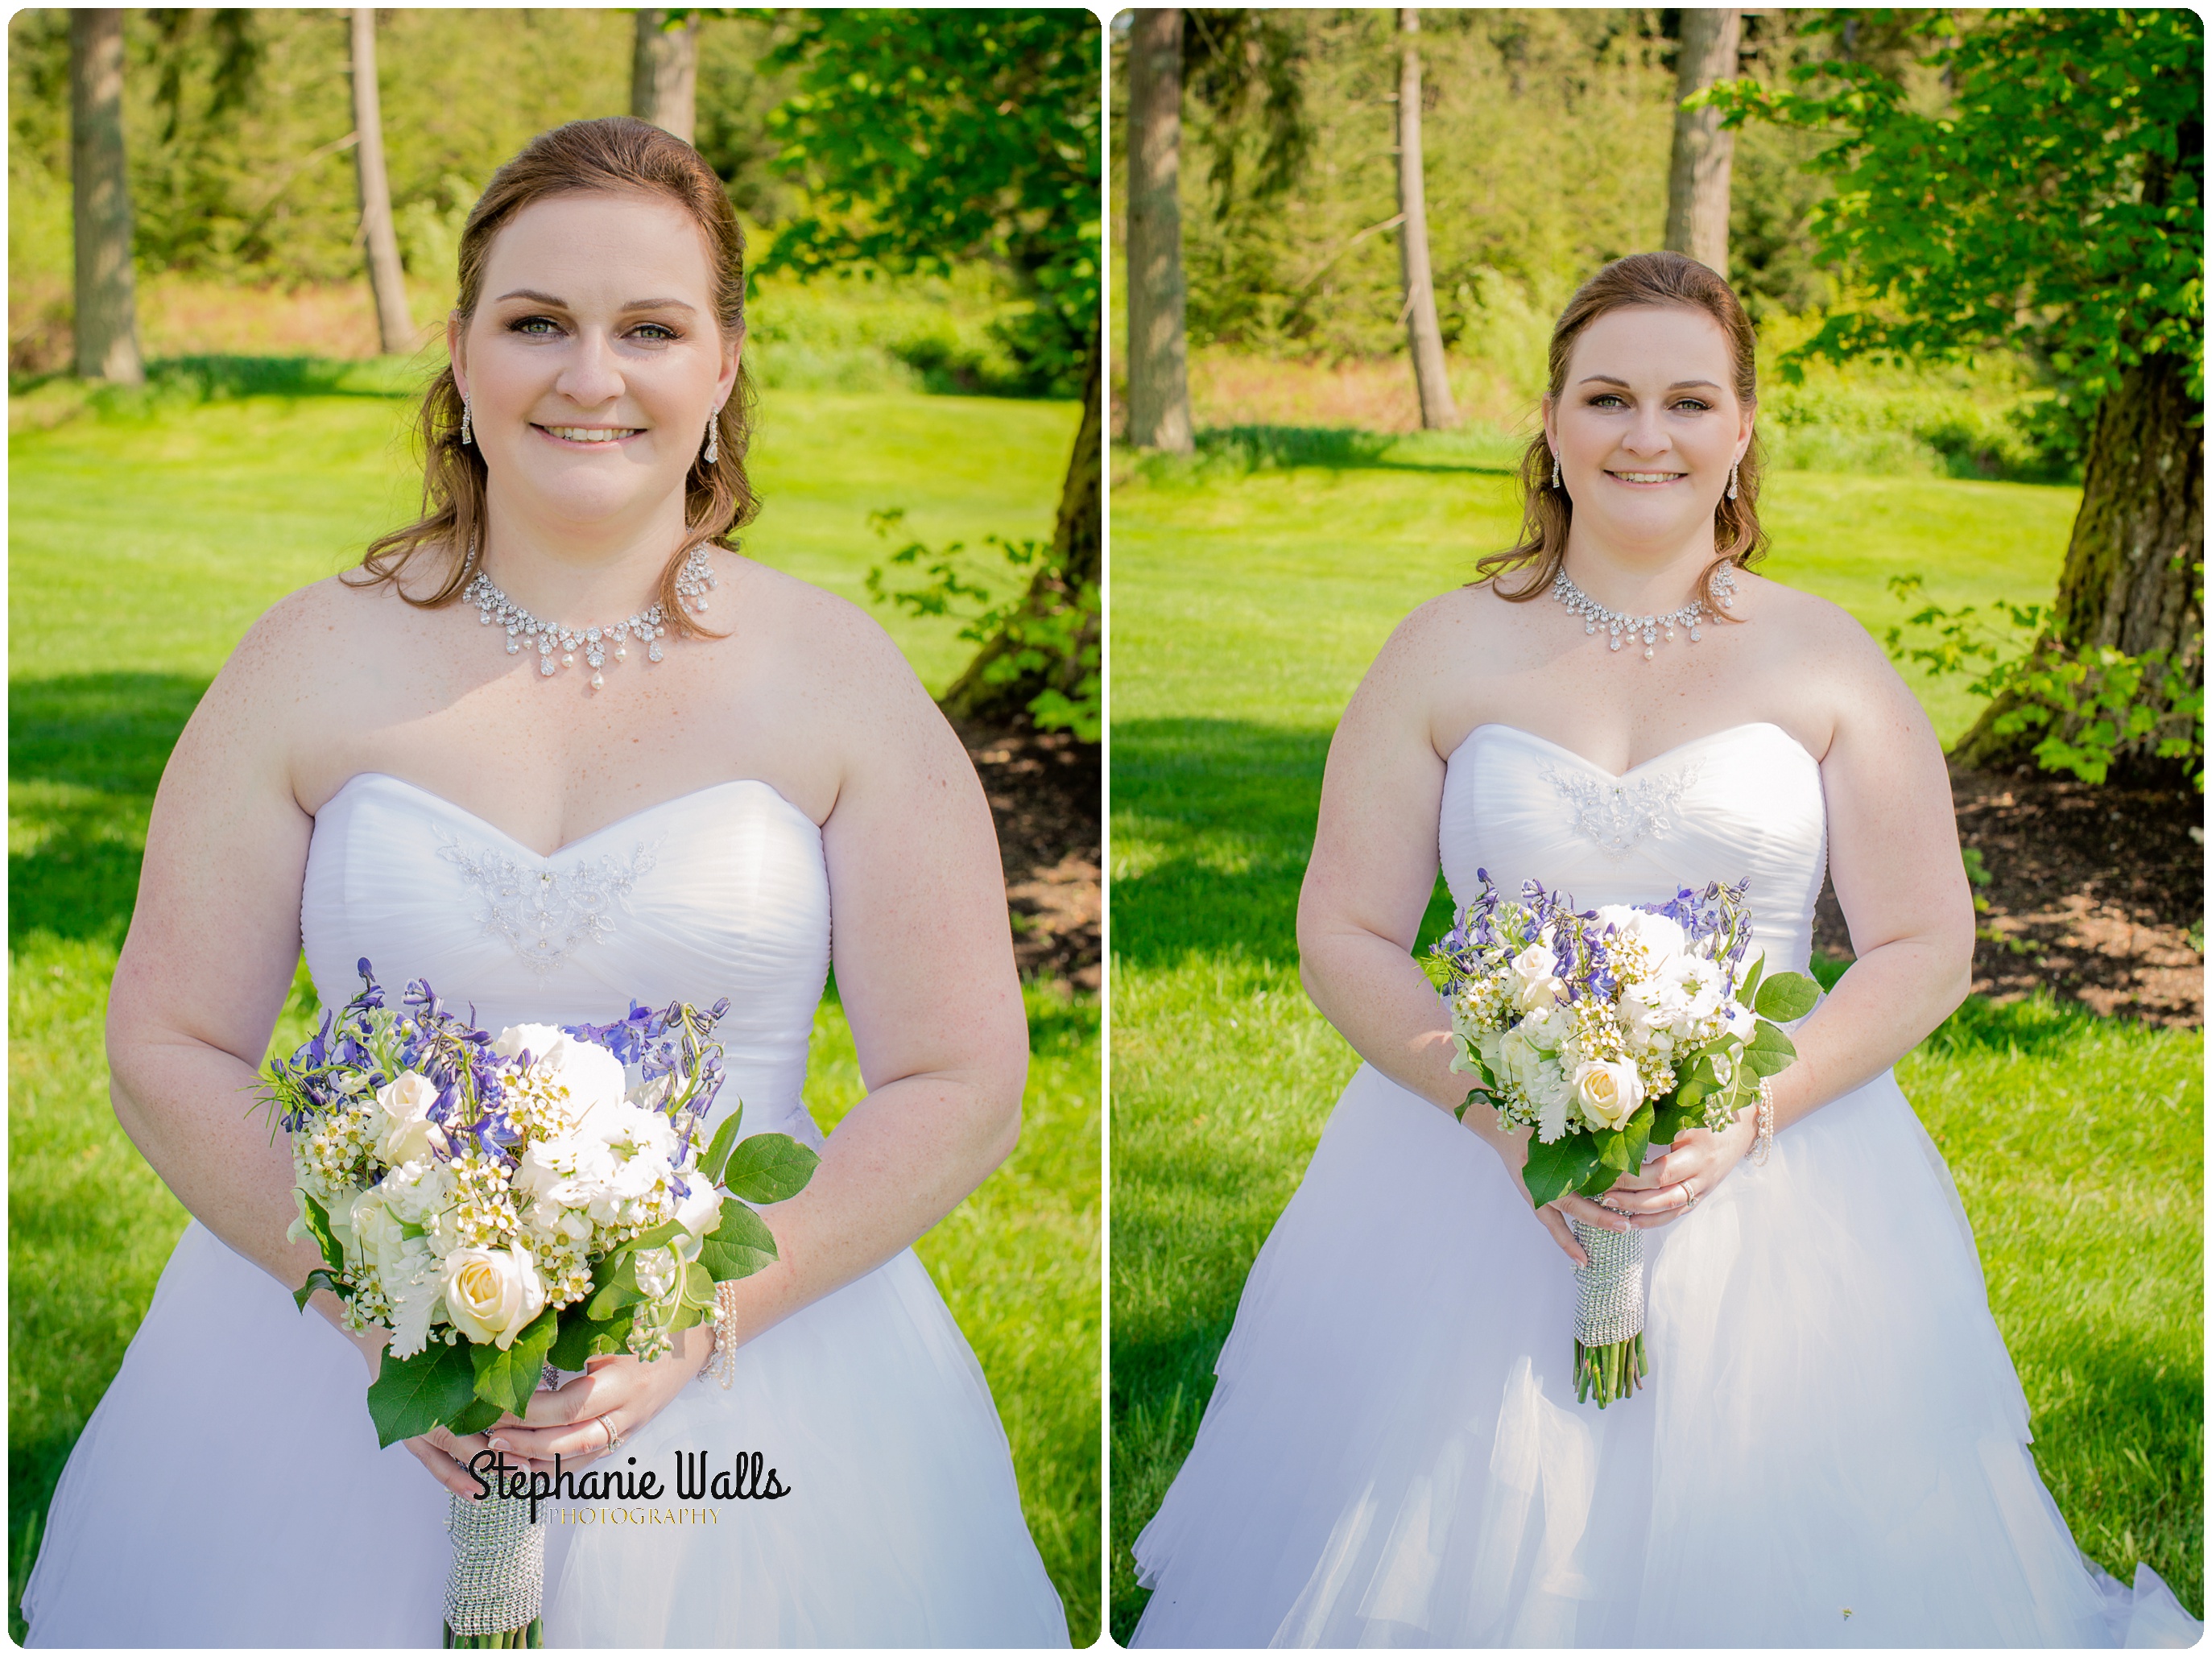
<point x="719" y="892"/>
<point x="1745" y="803"/>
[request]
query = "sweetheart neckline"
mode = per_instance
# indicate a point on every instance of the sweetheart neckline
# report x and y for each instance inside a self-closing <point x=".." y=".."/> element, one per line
<point x="1642" y="765"/>
<point x="775" y="794"/>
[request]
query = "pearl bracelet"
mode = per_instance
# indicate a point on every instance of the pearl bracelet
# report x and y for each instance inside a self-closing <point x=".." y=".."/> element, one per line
<point x="722" y="1361"/>
<point x="1763" y="1146"/>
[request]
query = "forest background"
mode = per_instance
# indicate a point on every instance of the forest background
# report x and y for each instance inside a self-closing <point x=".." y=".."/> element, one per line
<point x="929" y="375"/>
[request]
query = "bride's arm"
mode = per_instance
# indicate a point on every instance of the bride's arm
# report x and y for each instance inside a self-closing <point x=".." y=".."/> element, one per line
<point x="213" y="942"/>
<point x="1367" y="885"/>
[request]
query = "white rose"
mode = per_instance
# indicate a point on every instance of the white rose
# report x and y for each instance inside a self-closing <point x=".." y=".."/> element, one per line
<point x="1535" y="984"/>
<point x="401" y="1121"/>
<point x="492" y="1294"/>
<point x="590" y="1076"/>
<point x="1608" y="1090"/>
<point x="1662" y="938"/>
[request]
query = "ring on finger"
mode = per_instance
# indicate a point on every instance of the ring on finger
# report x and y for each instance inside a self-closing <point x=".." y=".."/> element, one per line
<point x="614" y="1438"/>
<point x="1689" y="1201"/>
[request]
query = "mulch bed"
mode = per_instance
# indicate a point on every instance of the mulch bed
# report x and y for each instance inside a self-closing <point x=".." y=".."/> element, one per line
<point x="2096" y="894"/>
<point x="1044" y="787"/>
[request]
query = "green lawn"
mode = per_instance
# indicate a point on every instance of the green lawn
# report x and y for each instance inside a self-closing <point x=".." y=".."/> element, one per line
<point x="174" y="523"/>
<point x="1246" y="603"/>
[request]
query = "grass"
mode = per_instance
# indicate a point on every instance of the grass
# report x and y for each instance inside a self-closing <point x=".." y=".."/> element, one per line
<point x="1251" y="587"/>
<point x="175" y="516"/>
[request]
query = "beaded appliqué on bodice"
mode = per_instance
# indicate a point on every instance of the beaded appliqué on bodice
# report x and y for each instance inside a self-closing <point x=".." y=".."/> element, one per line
<point x="548" y="914"/>
<point x="1615" y="813"/>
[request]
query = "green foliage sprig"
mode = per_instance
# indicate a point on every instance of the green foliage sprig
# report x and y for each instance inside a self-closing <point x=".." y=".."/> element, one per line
<point x="1060" y="637"/>
<point x="2095" y="705"/>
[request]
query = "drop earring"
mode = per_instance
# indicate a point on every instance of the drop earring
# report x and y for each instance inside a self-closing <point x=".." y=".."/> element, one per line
<point x="467" y="435"/>
<point x="1732" y="466"/>
<point x="1555" y="468"/>
<point x="714" y="435"/>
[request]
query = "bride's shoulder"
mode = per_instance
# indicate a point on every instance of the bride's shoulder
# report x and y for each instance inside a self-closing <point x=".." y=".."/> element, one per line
<point x="813" y="634"/>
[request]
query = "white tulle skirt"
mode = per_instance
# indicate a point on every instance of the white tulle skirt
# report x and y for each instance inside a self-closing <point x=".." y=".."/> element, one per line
<point x="229" y="1492"/>
<point x="1830" y="1448"/>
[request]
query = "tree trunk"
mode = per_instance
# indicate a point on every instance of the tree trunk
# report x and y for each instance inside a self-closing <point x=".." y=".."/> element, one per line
<point x="1076" y="560"/>
<point x="1423" y="338"/>
<point x="1159" y="381"/>
<point x="2129" y="580"/>
<point x="663" y="73"/>
<point x="393" y="328"/>
<point x="107" y="311"/>
<point x="1697" y="182"/>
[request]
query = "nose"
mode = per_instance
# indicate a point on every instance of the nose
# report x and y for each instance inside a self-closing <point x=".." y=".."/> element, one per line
<point x="592" y="375"/>
<point x="1646" y="433"/>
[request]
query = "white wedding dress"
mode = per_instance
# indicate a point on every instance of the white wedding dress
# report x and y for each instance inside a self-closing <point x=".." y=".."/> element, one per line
<point x="229" y="1491"/>
<point x="1831" y="1447"/>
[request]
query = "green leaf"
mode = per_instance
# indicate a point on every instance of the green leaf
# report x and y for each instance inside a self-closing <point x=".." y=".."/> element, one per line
<point x="1748" y="992"/>
<point x="610" y="1337"/>
<point x="1613" y="1150"/>
<point x="1769" y="1051"/>
<point x="718" y="1149"/>
<point x="479" y="1415"/>
<point x="320" y="1277"/>
<point x="768" y="1167"/>
<point x="740" y="1246"/>
<point x="319" y="1227"/>
<point x="509" y="1378"/>
<point x="1669" y="1119"/>
<point x="1637" y="1132"/>
<point x="1558" y="1168"/>
<point x="1786" y="996"/>
<point x="1438" y="969"/>
<point x="1467" y="1104"/>
<point x="618" y="1290"/>
<point x="409" y="1396"/>
<point x="572" y="1344"/>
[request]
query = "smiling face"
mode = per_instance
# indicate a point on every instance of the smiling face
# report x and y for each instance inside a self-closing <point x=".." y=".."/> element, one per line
<point x="1646" y="426"/>
<point x="594" y="361"/>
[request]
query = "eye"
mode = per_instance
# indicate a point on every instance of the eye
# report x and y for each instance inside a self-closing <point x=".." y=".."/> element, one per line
<point x="533" y="325"/>
<point x="655" y="330"/>
<point x="1607" y="400"/>
<point x="1693" y="405"/>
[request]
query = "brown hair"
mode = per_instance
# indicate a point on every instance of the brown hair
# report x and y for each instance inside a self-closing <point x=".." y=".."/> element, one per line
<point x="1546" y="513"/>
<point x="619" y="155"/>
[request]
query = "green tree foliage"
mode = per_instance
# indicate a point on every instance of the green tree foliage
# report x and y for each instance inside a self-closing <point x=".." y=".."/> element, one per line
<point x="2052" y="203"/>
<point x="926" y="137"/>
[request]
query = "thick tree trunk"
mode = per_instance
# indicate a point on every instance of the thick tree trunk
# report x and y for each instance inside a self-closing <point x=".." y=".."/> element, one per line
<point x="2130" y="581"/>
<point x="1077" y="545"/>
<point x="1705" y="151"/>
<point x="1159" y="381"/>
<point x="1423" y="338"/>
<point x="663" y="73"/>
<point x="107" y="311"/>
<point x="393" y="327"/>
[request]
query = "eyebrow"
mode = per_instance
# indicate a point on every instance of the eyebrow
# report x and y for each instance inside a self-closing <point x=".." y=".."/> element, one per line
<point x="1679" y="385"/>
<point x="533" y="294"/>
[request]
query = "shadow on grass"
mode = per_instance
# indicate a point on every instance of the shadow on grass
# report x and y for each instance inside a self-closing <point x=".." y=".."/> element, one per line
<point x="185" y="381"/>
<point x="85" y="753"/>
<point x="1245" y="449"/>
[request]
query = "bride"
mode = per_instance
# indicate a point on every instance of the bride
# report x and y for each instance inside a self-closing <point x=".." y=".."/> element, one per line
<point x="1831" y="1447"/>
<point x="377" y="773"/>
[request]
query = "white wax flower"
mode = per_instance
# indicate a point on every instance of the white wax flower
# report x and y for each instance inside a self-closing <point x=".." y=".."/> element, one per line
<point x="401" y="1124"/>
<point x="590" y="1075"/>
<point x="1608" y="1090"/>
<point x="1662" y="938"/>
<point x="492" y="1294"/>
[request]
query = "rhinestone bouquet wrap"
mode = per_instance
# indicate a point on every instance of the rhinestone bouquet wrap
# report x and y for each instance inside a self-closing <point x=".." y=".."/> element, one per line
<point x="507" y="1205"/>
<point x="496" y="1584"/>
<point x="1603" y="1032"/>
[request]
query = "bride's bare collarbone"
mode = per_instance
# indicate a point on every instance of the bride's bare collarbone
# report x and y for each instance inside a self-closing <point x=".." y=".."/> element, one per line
<point x="342" y="680"/>
<point x="1794" y="661"/>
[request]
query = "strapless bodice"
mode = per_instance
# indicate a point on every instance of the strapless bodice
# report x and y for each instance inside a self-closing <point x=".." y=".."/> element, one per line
<point x="719" y="892"/>
<point x="1743" y="802"/>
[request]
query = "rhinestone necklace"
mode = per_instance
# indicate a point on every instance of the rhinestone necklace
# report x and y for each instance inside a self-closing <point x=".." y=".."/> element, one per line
<point x="1595" y="615"/>
<point x="494" y="607"/>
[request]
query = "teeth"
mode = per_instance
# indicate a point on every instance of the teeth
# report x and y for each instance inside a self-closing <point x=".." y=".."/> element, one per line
<point x="1647" y="478"/>
<point x="592" y="433"/>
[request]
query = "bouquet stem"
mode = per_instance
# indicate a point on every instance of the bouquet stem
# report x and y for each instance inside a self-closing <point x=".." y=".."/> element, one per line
<point x="1609" y="1361"/>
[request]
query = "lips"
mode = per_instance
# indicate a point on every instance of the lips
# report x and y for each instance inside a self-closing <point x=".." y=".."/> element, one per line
<point x="1647" y="477"/>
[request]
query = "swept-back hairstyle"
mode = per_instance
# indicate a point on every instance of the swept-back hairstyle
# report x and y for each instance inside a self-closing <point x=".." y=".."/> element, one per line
<point x="616" y="154"/>
<point x="1546" y="513"/>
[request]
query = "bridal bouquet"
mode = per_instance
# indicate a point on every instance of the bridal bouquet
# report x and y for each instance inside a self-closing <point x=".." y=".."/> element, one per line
<point x="1608" y="1030"/>
<point x="508" y="1204"/>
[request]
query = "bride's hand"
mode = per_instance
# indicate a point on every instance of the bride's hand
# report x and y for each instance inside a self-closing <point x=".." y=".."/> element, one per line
<point x="1512" y="1150"/>
<point x="614" y="1397"/>
<point x="1699" y="1160"/>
